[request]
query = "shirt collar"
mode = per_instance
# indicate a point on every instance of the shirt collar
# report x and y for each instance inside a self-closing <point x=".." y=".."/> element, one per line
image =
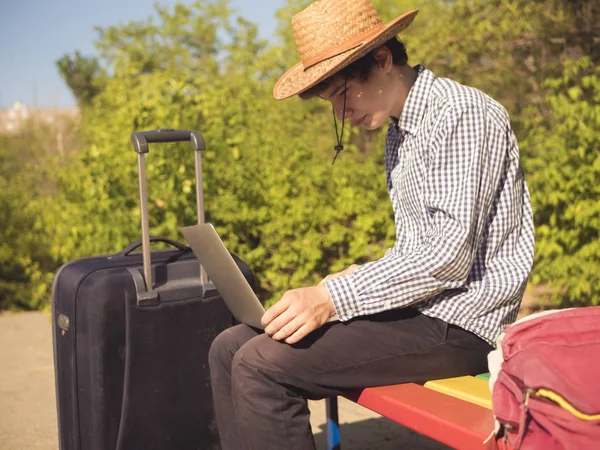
<point x="416" y="102"/>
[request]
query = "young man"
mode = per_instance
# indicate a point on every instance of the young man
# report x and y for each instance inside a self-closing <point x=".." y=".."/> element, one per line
<point x="433" y="305"/>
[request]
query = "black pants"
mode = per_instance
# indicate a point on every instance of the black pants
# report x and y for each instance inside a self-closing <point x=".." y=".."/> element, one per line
<point x="260" y="385"/>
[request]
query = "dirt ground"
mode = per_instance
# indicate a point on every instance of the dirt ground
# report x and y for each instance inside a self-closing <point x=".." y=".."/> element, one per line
<point x="28" y="408"/>
<point x="28" y="402"/>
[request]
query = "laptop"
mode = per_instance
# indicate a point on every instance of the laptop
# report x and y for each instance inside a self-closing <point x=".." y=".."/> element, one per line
<point x="225" y="274"/>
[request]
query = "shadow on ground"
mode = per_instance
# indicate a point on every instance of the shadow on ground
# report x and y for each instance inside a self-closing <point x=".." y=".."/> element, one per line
<point x="377" y="434"/>
<point x="28" y="404"/>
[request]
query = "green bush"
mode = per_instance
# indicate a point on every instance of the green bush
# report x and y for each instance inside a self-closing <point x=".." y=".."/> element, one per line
<point x="270" y="188"/>
<point x="563" y="164"/>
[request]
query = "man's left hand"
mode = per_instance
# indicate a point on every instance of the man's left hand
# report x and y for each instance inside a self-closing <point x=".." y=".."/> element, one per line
<point x="299" y="312"/>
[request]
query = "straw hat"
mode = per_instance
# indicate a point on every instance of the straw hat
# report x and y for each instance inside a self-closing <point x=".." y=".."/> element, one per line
<point x="330" y="35"/>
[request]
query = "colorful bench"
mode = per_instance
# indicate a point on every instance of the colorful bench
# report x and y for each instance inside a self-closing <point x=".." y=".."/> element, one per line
<point x="454" y="411"/>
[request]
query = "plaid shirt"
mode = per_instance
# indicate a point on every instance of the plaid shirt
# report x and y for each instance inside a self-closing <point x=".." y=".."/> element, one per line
<point x="464" y="227"/>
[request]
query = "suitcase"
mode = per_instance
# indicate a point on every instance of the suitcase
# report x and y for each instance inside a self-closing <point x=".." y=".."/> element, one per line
<point x="131" y="334"/>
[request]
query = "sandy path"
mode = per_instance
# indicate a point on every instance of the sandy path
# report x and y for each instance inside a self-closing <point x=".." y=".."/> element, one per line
<point x="28" y="408"/>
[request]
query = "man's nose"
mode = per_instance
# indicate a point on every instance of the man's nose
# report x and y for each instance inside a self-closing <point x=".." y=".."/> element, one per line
<point x="339" y="109"/>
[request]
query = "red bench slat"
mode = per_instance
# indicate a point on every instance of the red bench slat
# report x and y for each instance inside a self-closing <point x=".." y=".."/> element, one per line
<point x="446" y="419"/>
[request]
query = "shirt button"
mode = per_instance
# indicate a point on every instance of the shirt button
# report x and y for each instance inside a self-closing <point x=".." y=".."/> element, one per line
<point x="351" y="312"/>
<point x="388" y="304"/>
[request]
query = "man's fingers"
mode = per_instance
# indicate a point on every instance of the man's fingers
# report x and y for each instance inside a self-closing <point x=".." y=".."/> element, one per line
<point x="299" y="312"/>
<point x="279" y="322"/>
<point x="288" y="329"/>
<point x="274" y="311"/>
<point x="300" y="333"/>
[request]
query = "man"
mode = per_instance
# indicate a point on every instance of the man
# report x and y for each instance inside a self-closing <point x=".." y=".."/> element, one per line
<point x="433" y="305"/>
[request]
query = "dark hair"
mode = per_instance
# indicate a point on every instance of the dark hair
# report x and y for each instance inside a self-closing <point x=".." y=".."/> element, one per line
<point x="361" y="68"/>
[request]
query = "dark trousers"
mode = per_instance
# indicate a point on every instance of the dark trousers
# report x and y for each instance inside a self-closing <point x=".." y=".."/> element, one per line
<point x="260" y="386"/>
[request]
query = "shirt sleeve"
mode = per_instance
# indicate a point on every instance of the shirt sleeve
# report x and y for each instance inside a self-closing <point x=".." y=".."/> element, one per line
<point x="457" y="195"/>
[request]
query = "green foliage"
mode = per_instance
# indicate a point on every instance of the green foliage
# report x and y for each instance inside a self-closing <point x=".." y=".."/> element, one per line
<point x="83" y="75"/>
<point x="564" y="169"/>
<point x="270" y="189"/>
<point x="16" y="247"/>
<point x="507" y="48"/>
<point x="269" y="185"/>
<point x="25" y="163"/>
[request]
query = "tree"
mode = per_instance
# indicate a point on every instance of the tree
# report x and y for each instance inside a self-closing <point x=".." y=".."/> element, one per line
<point x="83" y="75"/>
<point x="564" y="168"/>
<point x="268" y="180"/>
<point x="270" y="188"/>
<point x="26" y="161"/>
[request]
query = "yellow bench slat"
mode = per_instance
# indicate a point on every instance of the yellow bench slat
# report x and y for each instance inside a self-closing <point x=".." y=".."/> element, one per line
<point x="470" y="389"/>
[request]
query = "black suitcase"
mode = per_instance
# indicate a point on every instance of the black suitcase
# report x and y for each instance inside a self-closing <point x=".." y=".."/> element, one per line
<point x="131" y="363"/>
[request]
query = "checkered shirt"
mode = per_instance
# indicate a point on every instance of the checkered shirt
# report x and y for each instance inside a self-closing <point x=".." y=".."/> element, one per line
<point x="464" y="226"/>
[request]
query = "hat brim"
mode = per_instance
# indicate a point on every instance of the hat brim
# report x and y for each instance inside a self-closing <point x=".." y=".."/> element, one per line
<point x="297" y="80"/>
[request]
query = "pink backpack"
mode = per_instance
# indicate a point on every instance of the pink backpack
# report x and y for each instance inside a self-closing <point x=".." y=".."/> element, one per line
<point x="547" y="392"/>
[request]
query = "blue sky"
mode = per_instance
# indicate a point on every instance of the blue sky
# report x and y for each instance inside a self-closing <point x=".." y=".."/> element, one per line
<point x="35" y="33"/>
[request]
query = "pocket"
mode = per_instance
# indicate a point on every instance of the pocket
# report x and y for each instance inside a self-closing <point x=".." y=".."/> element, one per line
<point x="438" y="327"/>
<point x="445" y="327"/>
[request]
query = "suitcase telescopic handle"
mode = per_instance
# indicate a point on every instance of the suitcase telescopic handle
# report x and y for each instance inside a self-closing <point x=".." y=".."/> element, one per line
<point x="140" y="140"/>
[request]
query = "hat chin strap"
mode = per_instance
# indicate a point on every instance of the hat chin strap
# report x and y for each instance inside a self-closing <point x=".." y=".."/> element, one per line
<point x="339" y="147"/>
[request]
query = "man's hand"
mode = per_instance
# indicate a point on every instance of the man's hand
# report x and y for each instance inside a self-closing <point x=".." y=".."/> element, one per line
<point x="347" y="271"/>
<point x="299" y="312"/>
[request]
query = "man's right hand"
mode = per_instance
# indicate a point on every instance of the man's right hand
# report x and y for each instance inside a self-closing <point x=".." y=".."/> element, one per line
<point x="347" y="271"/>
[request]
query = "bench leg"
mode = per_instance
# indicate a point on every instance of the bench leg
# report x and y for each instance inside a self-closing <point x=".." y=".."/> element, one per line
<point x="333" y="425"/>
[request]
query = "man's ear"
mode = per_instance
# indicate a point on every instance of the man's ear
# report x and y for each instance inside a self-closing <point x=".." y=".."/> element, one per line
<point x="383" y="57"/>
